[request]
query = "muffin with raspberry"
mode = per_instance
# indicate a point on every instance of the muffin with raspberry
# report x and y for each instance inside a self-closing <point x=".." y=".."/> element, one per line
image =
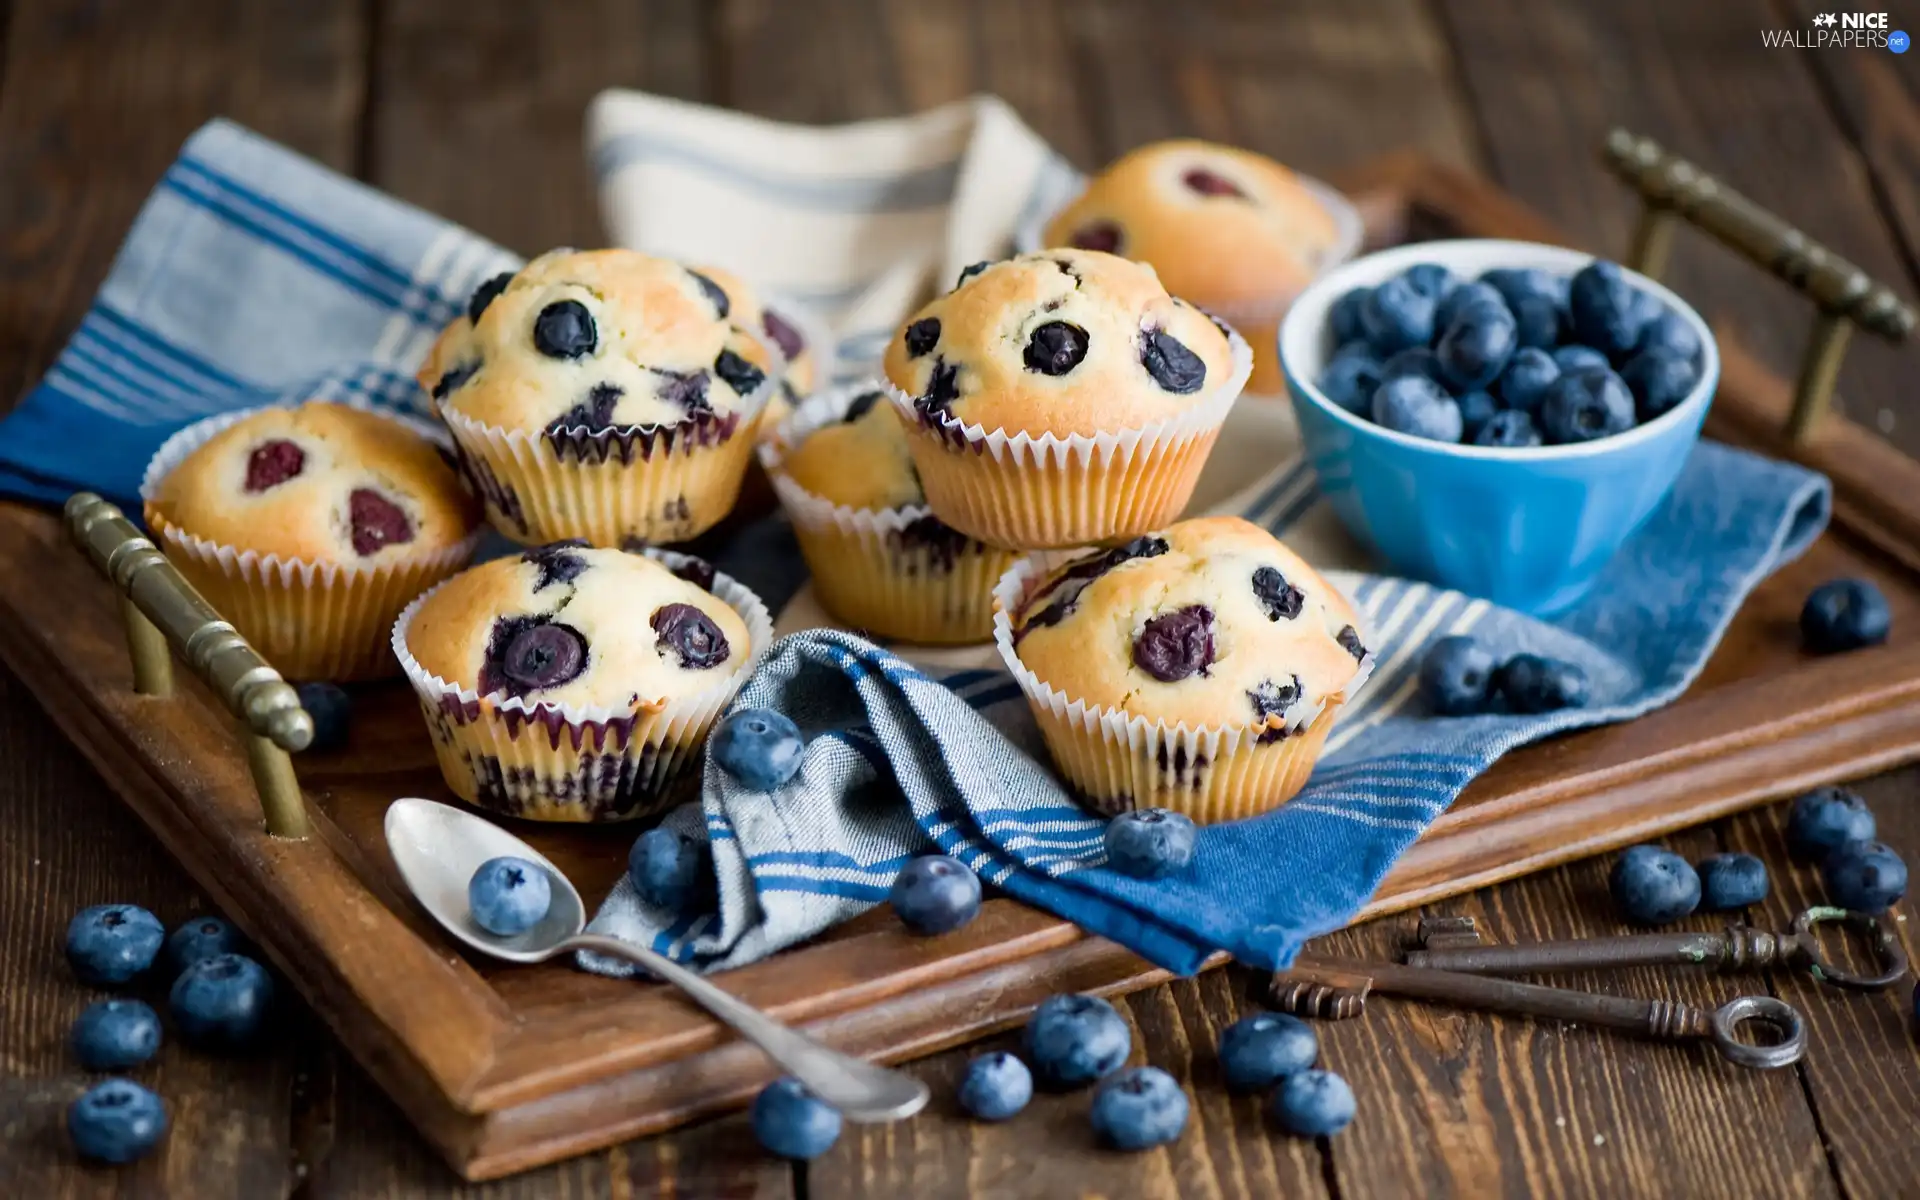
<point x="605" y="395"/>
<point x="1230" y="230"/>
<point x="1198" y="668"/>
<point x="1061" y="398"/>
<point x="570" y="683"/>
<point x="881" y="560"/>
<point x="309" y="528"/>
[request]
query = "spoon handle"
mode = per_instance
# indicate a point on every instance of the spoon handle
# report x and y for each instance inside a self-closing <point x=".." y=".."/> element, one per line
<point x="862" y="1091"/>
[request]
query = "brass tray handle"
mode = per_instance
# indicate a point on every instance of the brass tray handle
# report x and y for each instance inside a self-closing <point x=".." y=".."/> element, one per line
<point x="1844" y="295"/>
<point x="164" y="616"/>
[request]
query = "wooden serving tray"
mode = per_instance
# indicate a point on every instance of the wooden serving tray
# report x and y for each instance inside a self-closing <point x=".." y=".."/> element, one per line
<point x="505" y="1068"/>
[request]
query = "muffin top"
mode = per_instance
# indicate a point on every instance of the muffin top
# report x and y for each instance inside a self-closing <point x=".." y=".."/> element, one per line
<point x="320" y="483"/>
<point x="859" y="460"/>
<point x="1223" y="226"/>
<point x="568" y="624"/>
<point x="1064" y="342"/>
<point x="595" y="340"/>
<point x="1210" y="622"/>
<point x="774" y="330"/>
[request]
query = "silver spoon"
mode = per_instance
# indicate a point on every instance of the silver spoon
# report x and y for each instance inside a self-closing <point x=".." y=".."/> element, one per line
<point x="438" y="847"/>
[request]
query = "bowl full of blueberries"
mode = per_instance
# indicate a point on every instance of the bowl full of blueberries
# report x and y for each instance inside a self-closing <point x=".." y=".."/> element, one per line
<point x="1497" y="417"/>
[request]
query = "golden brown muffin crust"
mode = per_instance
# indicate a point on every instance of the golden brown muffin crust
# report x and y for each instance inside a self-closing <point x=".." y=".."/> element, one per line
<point x="860" y="463"/>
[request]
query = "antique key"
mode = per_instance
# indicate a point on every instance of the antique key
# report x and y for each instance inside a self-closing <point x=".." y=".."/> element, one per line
<point x="1337" y="988"/>
<point x="1453" y="944"/>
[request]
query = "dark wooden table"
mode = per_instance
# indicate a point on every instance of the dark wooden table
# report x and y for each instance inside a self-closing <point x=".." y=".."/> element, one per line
<point x="473" y="109"/>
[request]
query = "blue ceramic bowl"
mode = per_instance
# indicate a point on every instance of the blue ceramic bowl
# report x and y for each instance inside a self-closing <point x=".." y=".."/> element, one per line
<point x="1528" y="529"/>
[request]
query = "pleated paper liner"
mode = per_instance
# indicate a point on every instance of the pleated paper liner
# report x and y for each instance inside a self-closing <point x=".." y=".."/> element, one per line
<point x="1025" y="492"/>
<point x="311" y="620"/>
<point x="1117" y="761"/>
<point x="561" y="762"/>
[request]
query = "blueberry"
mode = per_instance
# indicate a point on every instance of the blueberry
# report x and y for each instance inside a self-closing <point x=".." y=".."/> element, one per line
<point x="221" y="1003"/>
<point x="1257" y="1052"/>
<point x="996" y="1086"/>
<point x="202" y="937"/>
<point x="1312" y="1104"/>
<point x="332" y="712"/>
<point x="1430" y="279"/>
<point x="1476" y="410"/>
<point x="1349" y="381"/>
<point x="1826" y="819"/>
<point x="1174" y="367"/>
<point x="1525" y="382"/>
<point x="273" y="463"/>
<point x="1475" y="349"/>
<point x="759" y="747"/>
<point x="374" y="522"/>
<point x="1844" y="614"/>
<point x="1730" y="881"/>
<point x="922" y="336"/>
<point x="1072" y="1040"/>
<point x="1652" y="886"/>
<point x="782" y="334"/>
<point x="1669" y="333"/>
<point x="1150" y="843"/>
<point x="112" y="1035"/>
<point x="1418" y="407"/>
<point x="111" y="943"/>
<point x="715" y="294"/>
<point x="671" y="870"/>
<point x="1414" y="360"/>
<point x="792" y="1122"/>
<point x="1580" y="358"/>
<point x="116" y="1121"/>
<point x="565" y="329"/>
<point x="1865" y="877"/>
<point x="1056" y="348"/>
<point x="1280" y="600"/>
<point x="509" y="895"/>
<point x="1397" y="315"/>
<point x="1138" y="1108"/>
<point x="1658" y="381"/>
<point x="971" y="269"/>
<point x="1538" y="323"/>
<point x="742" y="376"/>
<point x="1509" y="429"/>
<point x="1176" y="645"/>
<point x="530" y="654"/>
<point x="1533" y="684"/>
<point x="1519" y="283"/>
<point x="1606" y="309"/>
<point x="1466" y="297"/>
<point x="1344" y="316"/>
<point x="484" y="295"/>
<point x="935" y="894"/>
<point x="690" y="635"/>
<point x="1584" y="405"/>
<point x="1456" y="676"/>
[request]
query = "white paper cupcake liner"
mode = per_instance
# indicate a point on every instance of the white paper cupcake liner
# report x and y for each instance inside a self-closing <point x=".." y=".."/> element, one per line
<point x="1023" y="491"/>
<point x="1119" y="761"/>
<point x="541" y="761"/>
<point x="310" y="620"/>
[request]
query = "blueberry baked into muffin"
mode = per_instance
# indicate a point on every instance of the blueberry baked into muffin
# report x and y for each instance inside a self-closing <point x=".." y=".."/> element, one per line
<point x="1061" y="398"/>
<point x="310" y="528"/>
<point x="782" y="334"/>
<point x="570" y="683"/>
<point x="881" y="560"/>
<point x="604" y="394"/>
<point x="1230" y="230"/>
<point x="1197" y="669"/>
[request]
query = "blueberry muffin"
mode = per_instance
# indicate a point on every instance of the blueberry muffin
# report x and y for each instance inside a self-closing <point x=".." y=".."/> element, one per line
<point x="799" y="372"/>
<point x="310" y="528"/>
<point x="881" y="561"/>
<point x="1230" y="230"/>
<point x="570" y="683"/>
<point x="1061" y="398"/>
<point x="1197" y="669"/>
<point x="605" y="395"/>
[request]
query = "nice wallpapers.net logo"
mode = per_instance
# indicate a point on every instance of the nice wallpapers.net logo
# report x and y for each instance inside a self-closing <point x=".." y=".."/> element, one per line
<point x="1840" y="31"/>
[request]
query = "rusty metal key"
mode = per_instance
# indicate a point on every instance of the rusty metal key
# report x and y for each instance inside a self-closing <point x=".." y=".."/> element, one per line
<point x="1338" y="988"/>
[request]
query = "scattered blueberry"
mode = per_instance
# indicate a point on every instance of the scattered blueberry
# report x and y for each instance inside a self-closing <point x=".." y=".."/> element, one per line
<point x="996" y="1086"/>
<point x="1538" y="322"/>
<point x="792" y="1122"/>
<point x="1579" y="358"/>
<point x="565" y="329"/>
<point x="1826" y="819"/>
<point x="1864" y="877"/>
<point x="1419" y="407"/>
<point x="1533" y="684"/>
<point x="670" y="870"/>
<point x="1344" y="316"/>
<point x="759" y="747"/>
<point x="1510" y="429"/>
<point x="1658" y="381"/>
<point x="1475" y="348"/>
<point x="221" y="1003"/>
<point x="1072" y="1040"/>
<point x="935" y="894"/>
<point x="1430" y="279"/>
<point x="1523" y="385"/>
<point x="1476" y="409"/>
<point x="116" y="1121"/>
<point x="1313" y="1104"/>
<point x="202" y="937"/>
<point x="1256" y="1052"/>
<point x="1606" y="309"/>
<point x="509" y="895"/>
<point x="1844" y="614"/>
<point x="1150" y="843"/>
<point x="1652" y="886"/>
<point x="1584" y="405"/>
<point x="1456" y="676"/>
<point x="332" y="712"/>
<point x="111" y="943"/>
<point x="1477" y="294"/>
<point x="1349" y="381"/>
<point x="1138" y="1108"/>
<point x="1397" y="315"/>
<point x="1730" y="881"/>
<point x="1670" y="334"/>
<point x="1415" y="360"/>
<point x="112" y="1035"/>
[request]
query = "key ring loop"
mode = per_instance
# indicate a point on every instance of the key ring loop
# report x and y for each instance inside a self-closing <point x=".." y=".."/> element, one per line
<point x="1778" y="1013"/>
<point x="1886" y="948"/>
